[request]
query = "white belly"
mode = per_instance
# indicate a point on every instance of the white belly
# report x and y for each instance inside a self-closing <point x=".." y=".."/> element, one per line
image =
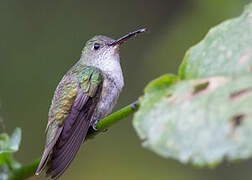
<point x="108" y="99"/>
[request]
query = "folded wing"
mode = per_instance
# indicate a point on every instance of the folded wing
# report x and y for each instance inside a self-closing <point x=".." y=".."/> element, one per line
<point x="68" y="136"/>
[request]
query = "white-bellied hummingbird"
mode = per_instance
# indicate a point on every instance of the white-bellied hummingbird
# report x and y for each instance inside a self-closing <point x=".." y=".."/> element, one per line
<point x="86" y="94"/>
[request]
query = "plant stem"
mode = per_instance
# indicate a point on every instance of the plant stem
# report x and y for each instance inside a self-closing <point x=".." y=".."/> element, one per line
<point x="118" y="115"/>
<point x="24" y="171"/>
<point x="29" y="170"/>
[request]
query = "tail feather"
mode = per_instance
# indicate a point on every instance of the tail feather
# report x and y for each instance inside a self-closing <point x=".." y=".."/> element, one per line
<point x="65" y="145"/>
<point x="60" y="164"/>
<point x="47" y="152"/>
<point x="64" y="154"/>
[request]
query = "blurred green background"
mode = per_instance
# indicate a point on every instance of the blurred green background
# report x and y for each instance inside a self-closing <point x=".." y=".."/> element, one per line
<point x="41" y="40"/>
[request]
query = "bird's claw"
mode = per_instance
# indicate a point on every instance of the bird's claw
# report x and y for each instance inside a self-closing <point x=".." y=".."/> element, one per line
<point x="134" y="105"/>
<point x="94" y="125"/>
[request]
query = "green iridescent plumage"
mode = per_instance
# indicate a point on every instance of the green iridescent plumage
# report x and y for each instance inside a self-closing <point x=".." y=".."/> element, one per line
<point x="87" y="77"/>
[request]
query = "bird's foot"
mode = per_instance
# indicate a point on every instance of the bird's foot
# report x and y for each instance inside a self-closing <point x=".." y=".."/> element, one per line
<point x="94" y="125"/>
<point x="95" y="129"/>
<point x="134" y="105"/>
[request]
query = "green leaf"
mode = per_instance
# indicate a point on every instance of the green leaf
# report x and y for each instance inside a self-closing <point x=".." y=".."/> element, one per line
<point x="207" y="116"/>
<point x="8" y="146"/>
<point x="200" y="121"/>
<point x="158" y="86"/>
<point x="161" y="83"/>
<point x="226" y="50"/>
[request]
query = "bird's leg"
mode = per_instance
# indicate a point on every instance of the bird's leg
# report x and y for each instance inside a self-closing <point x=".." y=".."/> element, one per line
<point x="135" y="105"/>
<point x="94" y="124"/>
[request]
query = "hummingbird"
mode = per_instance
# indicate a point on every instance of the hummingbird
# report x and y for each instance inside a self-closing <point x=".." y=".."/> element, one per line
<point x="86" y="94"/>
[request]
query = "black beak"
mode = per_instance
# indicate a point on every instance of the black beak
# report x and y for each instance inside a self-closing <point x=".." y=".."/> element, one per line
<point x="126" y="37"/>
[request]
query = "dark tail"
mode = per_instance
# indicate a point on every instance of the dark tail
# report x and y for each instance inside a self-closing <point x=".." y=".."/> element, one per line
<point x="70" y="140"/>
<point x="47" y="152"/>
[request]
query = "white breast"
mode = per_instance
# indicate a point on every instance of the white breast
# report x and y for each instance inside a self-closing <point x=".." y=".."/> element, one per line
<point x="112" y="86"/>
<point x="110" y="65"/>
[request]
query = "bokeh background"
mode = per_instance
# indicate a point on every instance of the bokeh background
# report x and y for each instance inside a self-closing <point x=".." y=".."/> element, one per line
<point x="41" y="40"/>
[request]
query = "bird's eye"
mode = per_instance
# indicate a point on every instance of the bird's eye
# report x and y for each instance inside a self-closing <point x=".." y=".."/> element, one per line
<point x="96" y="46"/>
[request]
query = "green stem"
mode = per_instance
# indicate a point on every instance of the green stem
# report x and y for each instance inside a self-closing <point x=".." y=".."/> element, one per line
<point x="29" y="170"/>
<point x="24" y="171"/>
<point x="118" y="115"/>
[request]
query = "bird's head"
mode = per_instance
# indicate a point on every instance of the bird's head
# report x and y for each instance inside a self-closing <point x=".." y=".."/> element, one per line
<point x="102" y="50"/>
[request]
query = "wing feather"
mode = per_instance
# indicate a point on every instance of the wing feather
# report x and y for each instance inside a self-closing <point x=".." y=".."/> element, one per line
<point x="47" y="152"/>
<point x="68" y="136"/>
<point x="62" y="156"/>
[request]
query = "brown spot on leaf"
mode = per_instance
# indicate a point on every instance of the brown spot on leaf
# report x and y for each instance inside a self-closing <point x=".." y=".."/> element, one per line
<point x="168" y="95"/>
<point x="171" y="97"/>
<point x="237" y="120"/>
<point x="240" y="93"/>
<point x="200" y="87"/>
<point x="206" y="85"/>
